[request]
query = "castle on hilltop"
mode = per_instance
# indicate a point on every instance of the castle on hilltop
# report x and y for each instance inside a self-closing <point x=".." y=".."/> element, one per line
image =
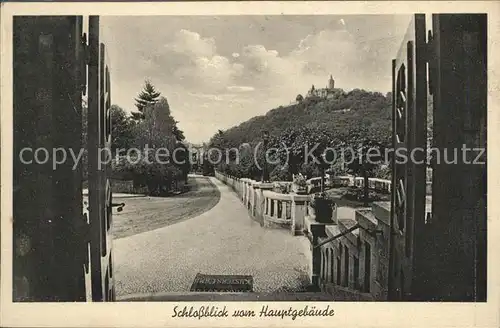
<point x="324" y="93"/>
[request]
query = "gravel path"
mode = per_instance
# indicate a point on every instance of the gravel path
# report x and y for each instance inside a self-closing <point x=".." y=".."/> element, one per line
<point x="144" y="213"/>
<point x="223" y="240"/>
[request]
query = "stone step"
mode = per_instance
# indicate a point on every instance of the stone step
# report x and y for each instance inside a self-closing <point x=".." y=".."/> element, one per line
<point x="382" y="211"/>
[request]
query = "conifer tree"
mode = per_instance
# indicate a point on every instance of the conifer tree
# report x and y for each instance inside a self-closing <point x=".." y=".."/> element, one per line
<point x="178" y="133"/>
<point x="148" y="96"/>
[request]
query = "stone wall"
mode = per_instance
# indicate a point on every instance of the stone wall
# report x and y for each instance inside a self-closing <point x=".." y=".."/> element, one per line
<point x="351" y="257"/>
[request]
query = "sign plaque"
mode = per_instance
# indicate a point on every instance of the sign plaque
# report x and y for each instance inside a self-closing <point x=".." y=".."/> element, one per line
<point x="222" y="283"/>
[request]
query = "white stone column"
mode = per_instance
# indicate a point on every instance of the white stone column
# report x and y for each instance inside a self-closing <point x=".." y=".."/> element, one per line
<point x="244" y="186"/>
<point x="261" y="201"/>
<point x="299" y="203"/>
<point x="247" y="193"/>
<point x="257" y="193"/>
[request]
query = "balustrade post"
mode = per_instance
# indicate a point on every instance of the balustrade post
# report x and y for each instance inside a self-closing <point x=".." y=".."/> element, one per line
<point x="251" y="196"/>
<point x="268" y="205"/>
<point x="336" y="266"/>
<point x="257" y="194"/>
<point x="316" y="232"/>
<point x="350" y="273"/>
<point x="242" y="197"/>
<point x="261" y="205"/>
<point x="248" y="193"/>
<point x="299" y="208"/>
<point x="283" y="210"/>
<point x="244" y="190"/>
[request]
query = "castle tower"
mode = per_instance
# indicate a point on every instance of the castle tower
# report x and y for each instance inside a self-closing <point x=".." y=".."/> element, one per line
<point x="331" y="83"/>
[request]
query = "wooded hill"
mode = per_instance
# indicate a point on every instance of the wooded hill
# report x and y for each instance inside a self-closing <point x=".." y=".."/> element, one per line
<point x="345" y="120"/>
<point x="369" y="111"/>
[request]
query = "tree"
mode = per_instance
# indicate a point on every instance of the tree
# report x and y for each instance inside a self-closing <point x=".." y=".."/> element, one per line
<point x="182" y="160"/>
<point x="178" y="133"/>
<point x="155" y="129"/>
<point x="153" y="126"/>
<point x="122" y="129"/>
<point x="164" y="122"/>
<point x="158" y="129"/>
<point x="148" y="96"/>
<point x="299" y="98"/>
<point x="217" y="141"/>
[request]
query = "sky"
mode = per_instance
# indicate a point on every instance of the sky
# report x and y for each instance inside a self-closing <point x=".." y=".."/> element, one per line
<point x="219" y="71"/>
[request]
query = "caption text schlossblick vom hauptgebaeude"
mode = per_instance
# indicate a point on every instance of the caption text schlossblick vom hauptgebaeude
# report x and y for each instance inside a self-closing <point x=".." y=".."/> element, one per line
<point x="201" y="312"/>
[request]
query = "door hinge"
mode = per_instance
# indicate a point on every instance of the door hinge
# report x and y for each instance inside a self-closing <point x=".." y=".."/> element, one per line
<point x="431" y="60"/>
<point x="84" y="62"/>
<point x="85" y="239"/>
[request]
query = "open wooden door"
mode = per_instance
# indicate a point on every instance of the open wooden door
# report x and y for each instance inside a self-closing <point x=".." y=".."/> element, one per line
<point x="409" y="139"/>
<point x="99" y="152"/>
<point x="441" y="256"/>
<point x="48" y="225"/>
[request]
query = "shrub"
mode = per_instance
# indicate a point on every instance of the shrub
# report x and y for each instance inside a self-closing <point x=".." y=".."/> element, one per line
<point x="280" y="173"/>
<point x="300" y="180"/>
<point x="310" y="169"/>
<point x="159" y="178"/>
<point x="383" y="172"/>
<point x="281" y="188"/>
<point x="357" y="194"/>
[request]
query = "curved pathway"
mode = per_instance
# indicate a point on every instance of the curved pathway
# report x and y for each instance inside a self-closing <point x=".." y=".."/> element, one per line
<point x="223" y="240"/>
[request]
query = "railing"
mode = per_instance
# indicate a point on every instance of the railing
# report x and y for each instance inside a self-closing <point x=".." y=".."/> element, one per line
<point x="342" y="181"/>
<point x="277" y="208"/>
<point x="350" y="257"/>
<point x="270" y="208"/>
<point x="376" y="184"/>
<point x="381" y="185"/>
<point x="314" y="184"/>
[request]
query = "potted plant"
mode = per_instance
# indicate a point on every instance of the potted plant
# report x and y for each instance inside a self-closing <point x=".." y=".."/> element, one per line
<point x="323" y="208"/>
<point x="299" y="185"/>
<point x="281" y="188"/>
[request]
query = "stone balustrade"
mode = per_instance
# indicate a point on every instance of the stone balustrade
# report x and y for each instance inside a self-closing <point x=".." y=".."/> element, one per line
<point x="270" y="208"/>
<point x="342" y="181"/>
<point x="381" y="185"/>
<point x="277" y="209"/>
<point x="314" y="185"/>
<point x="350" y="257"/>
